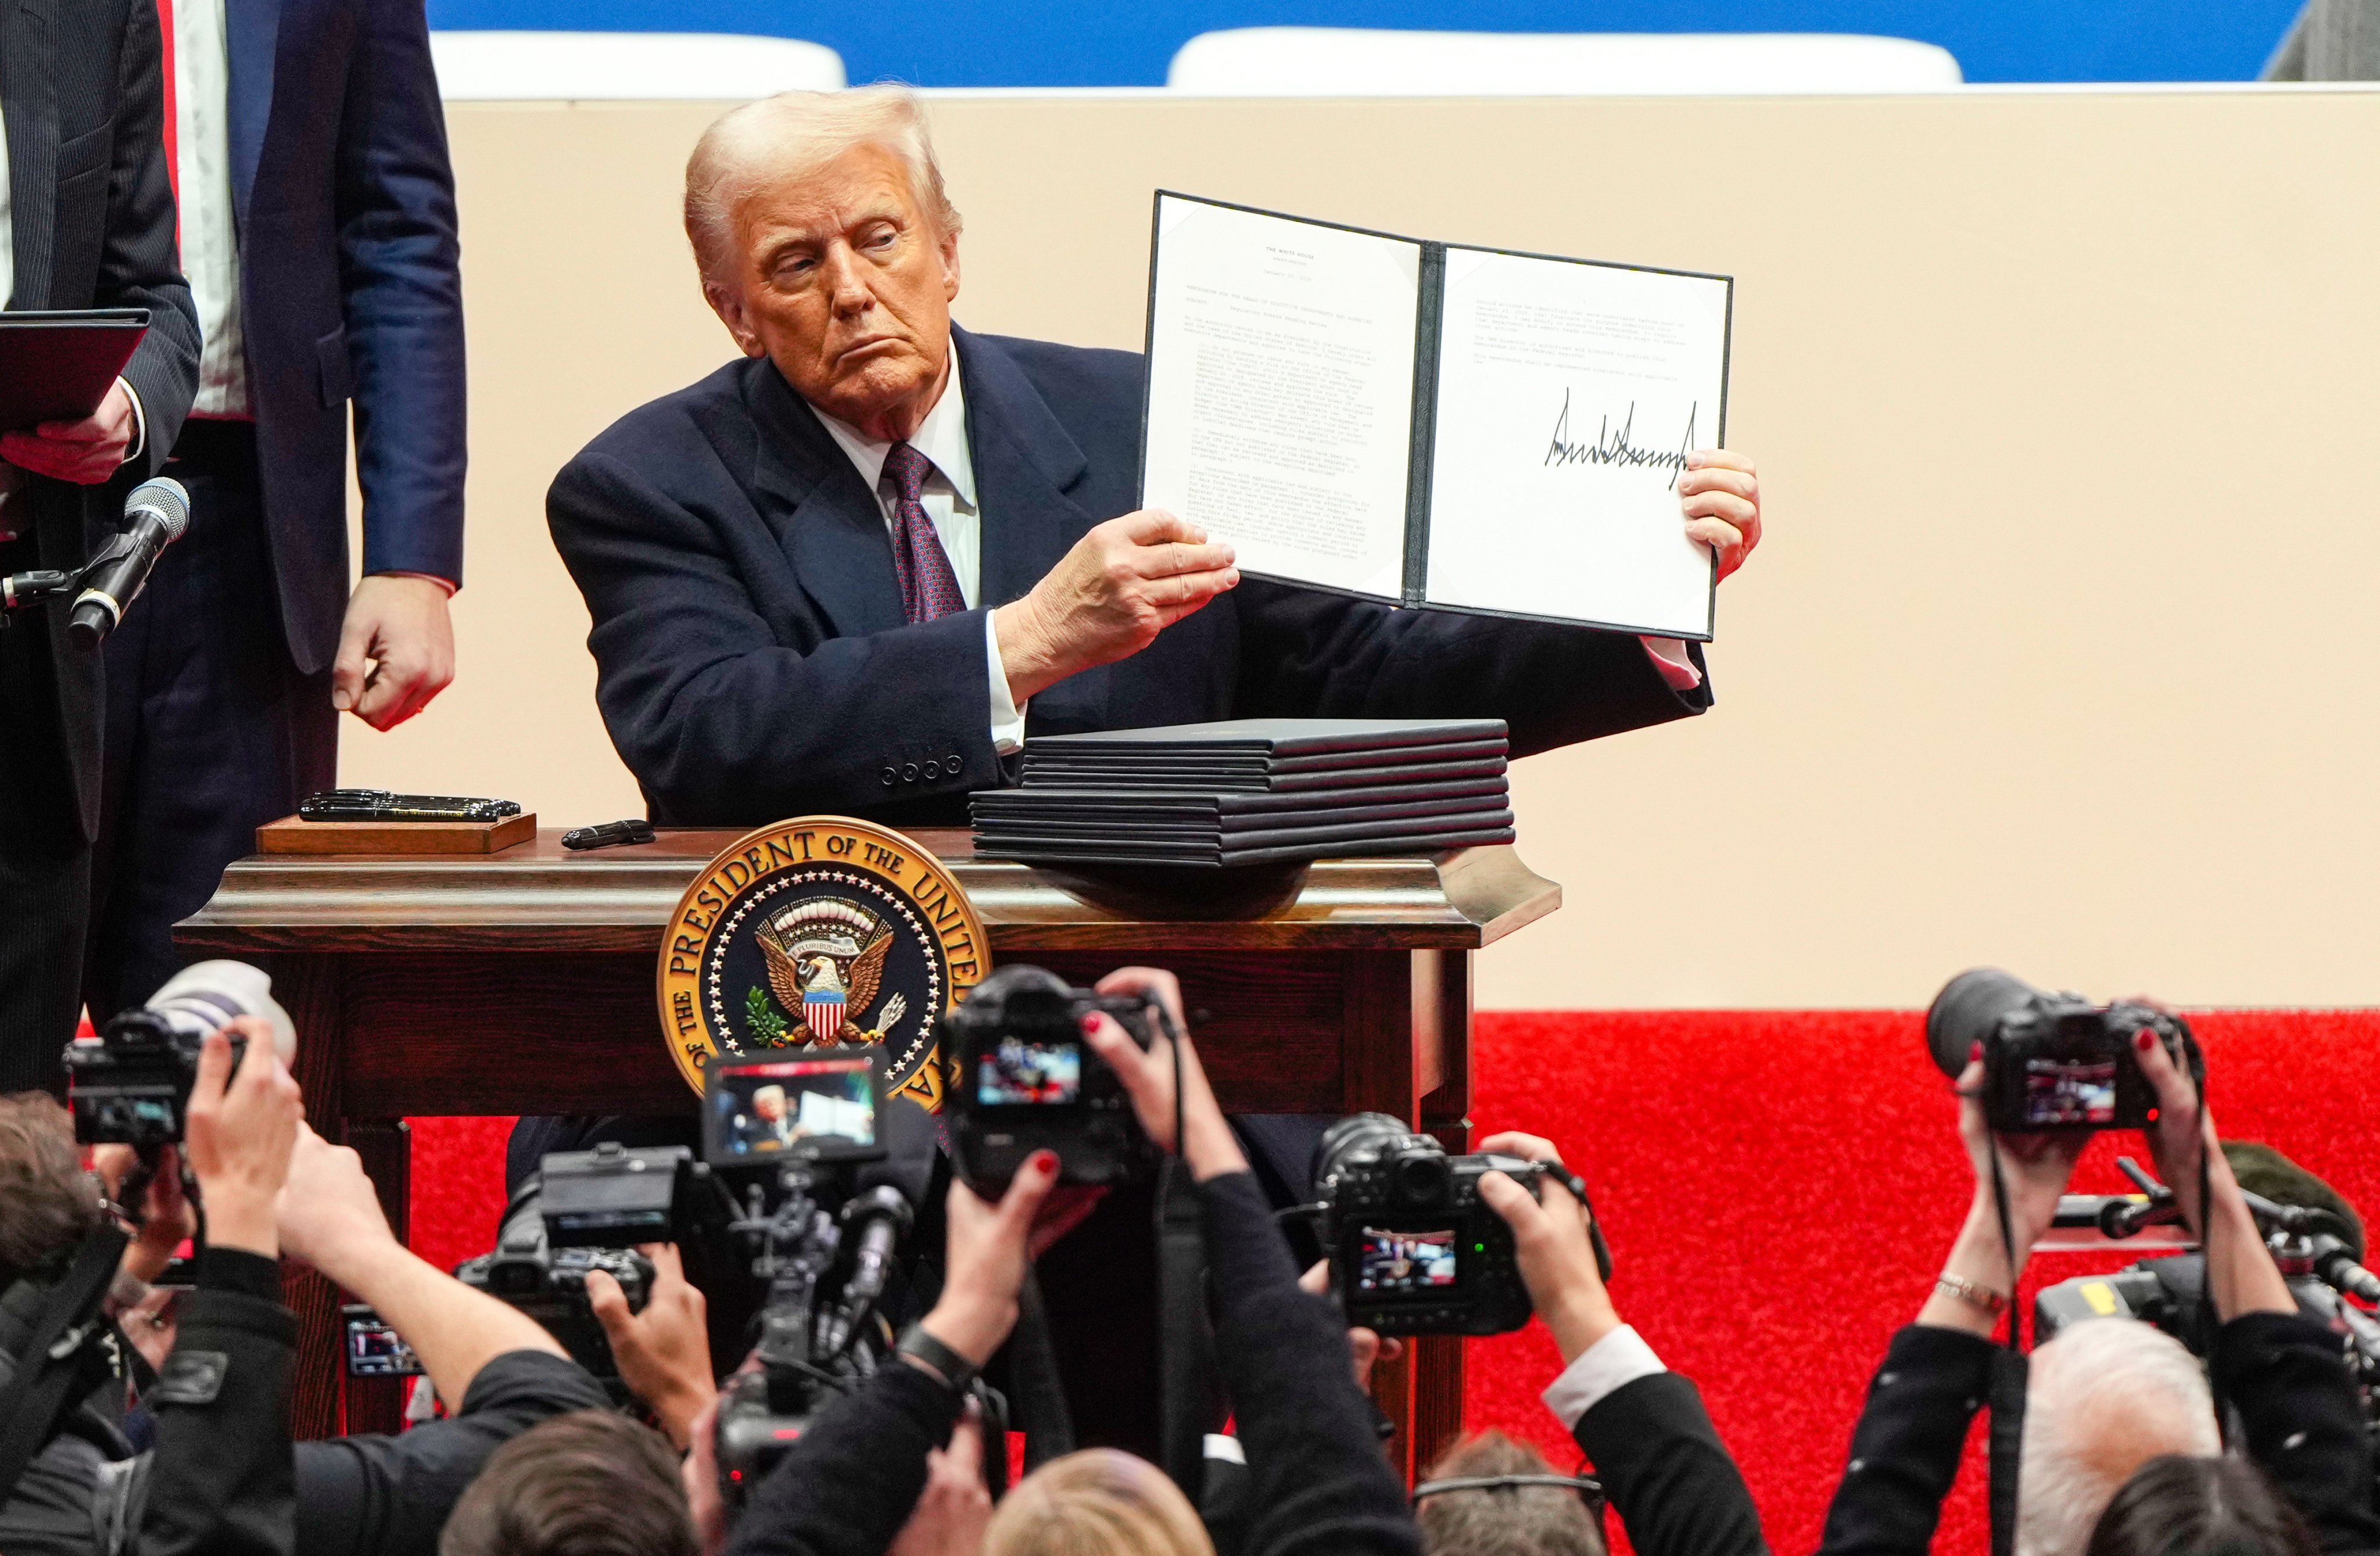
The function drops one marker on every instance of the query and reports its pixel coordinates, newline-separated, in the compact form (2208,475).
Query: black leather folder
(1259,782)
(1273,738)
(1202,857)
(59,366)
(1187,802)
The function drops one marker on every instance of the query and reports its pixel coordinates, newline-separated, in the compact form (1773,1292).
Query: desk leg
(377,1404)
(1397,1037)
(309,988)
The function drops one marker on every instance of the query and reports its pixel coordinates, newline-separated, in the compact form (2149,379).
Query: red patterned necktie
(929,588)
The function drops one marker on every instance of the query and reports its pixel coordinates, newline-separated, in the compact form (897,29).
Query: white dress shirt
(1603,1368)
(950,501)
(209,226)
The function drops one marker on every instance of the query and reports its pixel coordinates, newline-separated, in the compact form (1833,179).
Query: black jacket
(225,1478)
(91,223)
(1319,1483)
(1668,1476)
(2283,1373)
(753,661)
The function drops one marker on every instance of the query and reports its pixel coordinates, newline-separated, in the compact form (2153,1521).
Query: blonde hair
(793,134)
(1097,1503)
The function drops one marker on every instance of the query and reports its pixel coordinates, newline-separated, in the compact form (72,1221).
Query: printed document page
(1569,395)
(1281,391)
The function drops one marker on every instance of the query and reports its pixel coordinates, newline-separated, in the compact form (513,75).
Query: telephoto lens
(130,1084)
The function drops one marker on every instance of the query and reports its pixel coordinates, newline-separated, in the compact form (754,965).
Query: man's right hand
(1124,582)
(663,1353)
(329,1213)
(1550,1241)
(241,1129)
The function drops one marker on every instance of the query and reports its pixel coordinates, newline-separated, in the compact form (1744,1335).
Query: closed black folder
(1133,838)
(1260,781)
(1219,858)
(59,366)
(997,804)
(1273,738)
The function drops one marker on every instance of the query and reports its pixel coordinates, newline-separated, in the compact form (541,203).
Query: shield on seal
(822,1008)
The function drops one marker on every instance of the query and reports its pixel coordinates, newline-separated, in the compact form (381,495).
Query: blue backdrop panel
(1053,42)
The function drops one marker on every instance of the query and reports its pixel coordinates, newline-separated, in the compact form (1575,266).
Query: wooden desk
(522,982)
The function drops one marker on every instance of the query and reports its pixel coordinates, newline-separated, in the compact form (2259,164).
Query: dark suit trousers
(210,732)
(44,862)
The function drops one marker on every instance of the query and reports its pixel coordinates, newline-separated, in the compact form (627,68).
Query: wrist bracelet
(955,1368)
(1973,1295)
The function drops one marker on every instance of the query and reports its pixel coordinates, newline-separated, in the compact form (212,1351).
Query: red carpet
(1778,1189)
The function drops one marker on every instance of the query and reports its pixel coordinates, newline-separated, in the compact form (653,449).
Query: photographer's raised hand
(1209,1146)
(165,1217)
(2033,1169)
(1550,1239)
(241,1130)
(955,1507)
(665,1352)
(989,1249)
(2241,1274)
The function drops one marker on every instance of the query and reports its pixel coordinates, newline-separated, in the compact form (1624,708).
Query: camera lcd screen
(1401,1263)
(374,1350)
(1018,1073)
(2069,1091)
(821,1106)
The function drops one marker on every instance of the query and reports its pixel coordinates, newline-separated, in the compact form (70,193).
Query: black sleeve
(139,266)
(721,721)
(1309,654)
(1670,1480)
(1905,1449)
(220,1481)
(383,1496)
(1319,1481)
(846,1488)
(2285,1377)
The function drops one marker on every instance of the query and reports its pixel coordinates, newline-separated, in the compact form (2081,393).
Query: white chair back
(670,66)
(1361,62)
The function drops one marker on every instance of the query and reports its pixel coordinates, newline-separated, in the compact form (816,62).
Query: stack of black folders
(1252,791)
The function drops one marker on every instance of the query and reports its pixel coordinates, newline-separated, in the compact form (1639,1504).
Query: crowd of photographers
(159,1420)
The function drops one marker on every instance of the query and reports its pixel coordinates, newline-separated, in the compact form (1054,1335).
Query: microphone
(884,1219)
(2341,1273)
(155,515)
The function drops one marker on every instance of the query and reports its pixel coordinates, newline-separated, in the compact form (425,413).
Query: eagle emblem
(825,961)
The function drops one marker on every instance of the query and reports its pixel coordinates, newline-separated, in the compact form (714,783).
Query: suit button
(933,770)
(889,776)
(952,765)
(910,773)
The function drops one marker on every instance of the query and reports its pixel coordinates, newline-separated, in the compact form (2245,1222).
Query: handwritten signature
(1612,448)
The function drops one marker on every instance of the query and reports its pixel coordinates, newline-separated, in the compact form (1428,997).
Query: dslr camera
(130,1084)
(1029,1080)
(2053,1062)
(587,1210)
(1412,1247)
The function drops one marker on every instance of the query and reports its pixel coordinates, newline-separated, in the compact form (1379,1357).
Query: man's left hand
(400,623)
(1720,494)
(85,452)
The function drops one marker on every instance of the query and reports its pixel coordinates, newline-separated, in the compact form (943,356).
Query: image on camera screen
(1018,1073)
(763,1109)
(1389,1262)
(375,1351)
(2069,1091)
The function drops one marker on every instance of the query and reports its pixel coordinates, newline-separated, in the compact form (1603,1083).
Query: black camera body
(1412,1247)
(130,1084)
(582,1212)
(1029,1080)
(2053,1062)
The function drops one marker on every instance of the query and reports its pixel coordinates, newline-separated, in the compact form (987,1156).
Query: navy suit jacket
(349,288)
(91,226)
(753,662)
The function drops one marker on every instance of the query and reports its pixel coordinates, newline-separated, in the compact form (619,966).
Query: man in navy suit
(845,572)
(318,230)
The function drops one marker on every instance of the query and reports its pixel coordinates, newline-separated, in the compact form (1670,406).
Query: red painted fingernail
(1975,1051)
(2142,1039)
(1045,1160)
(1090,1024)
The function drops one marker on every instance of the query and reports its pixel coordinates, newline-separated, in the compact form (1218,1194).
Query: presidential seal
(819,932)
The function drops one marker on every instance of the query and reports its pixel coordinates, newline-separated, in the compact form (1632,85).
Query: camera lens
(1969,1007)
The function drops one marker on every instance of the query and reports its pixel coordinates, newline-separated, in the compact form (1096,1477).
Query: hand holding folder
(59,368)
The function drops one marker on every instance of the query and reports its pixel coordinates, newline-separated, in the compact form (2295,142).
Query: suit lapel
(251,37)
(28,33)
(1024,465)
(832,529)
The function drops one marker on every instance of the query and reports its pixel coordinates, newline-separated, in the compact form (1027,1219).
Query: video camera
(2053,1062)
(130,1084)
(1029,1080)
(1412,1247)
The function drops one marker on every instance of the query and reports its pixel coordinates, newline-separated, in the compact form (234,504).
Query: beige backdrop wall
(2059,651)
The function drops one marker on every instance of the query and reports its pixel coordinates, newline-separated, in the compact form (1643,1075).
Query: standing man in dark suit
(832,576)
(86,221)
(318,231)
